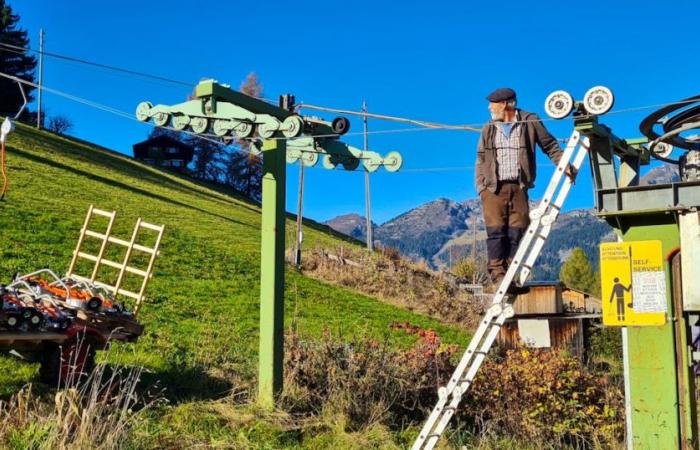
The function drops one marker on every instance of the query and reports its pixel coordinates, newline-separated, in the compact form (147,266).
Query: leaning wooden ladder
(542,219)
(123,267)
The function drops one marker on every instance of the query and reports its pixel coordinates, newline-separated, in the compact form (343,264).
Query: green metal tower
(658,359)
(281,137)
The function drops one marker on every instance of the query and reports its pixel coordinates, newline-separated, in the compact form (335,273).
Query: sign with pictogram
(633,282)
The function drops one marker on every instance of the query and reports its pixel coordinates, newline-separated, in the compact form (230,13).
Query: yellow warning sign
(633,282)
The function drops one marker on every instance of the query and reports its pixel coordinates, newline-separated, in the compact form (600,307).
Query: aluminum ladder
(541,220)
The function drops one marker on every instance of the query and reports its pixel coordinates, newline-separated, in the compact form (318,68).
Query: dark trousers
(506,215)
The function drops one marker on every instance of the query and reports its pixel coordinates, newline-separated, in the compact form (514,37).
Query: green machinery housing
(659,360)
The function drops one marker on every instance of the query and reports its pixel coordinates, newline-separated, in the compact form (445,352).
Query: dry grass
(395,280)
(98,413)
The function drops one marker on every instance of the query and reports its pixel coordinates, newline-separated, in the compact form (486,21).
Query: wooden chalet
(164,151)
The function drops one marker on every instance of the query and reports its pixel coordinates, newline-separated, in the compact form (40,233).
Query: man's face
(498,111)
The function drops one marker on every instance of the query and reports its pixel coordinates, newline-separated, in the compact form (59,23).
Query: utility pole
(368,201)
(39,118)
(476,266)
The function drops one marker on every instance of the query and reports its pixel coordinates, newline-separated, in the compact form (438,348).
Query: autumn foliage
(524,393)
(530,392)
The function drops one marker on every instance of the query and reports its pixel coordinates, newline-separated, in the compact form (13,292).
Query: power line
(477,127)
(109,109)
(420,123)
(21,50)
(130,116)
(95,64)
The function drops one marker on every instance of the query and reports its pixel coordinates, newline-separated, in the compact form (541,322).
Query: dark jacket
(533,132)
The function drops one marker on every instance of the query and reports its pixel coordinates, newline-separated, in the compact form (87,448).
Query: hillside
(443,231)
(201,311)
(353,225)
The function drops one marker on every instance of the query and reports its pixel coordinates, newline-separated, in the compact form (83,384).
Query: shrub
(546,394)
(364,380)
(392,253)
(534,396)
(465,269)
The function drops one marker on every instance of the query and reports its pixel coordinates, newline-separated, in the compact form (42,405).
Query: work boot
(513,289)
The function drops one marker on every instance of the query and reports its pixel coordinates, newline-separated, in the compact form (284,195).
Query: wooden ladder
(99,260)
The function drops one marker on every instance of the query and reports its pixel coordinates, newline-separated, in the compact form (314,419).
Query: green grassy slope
(201,314)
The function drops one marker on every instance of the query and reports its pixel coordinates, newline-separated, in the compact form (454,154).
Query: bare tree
(60,124)
(243,170)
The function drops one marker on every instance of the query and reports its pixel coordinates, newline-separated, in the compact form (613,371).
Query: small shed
(164,151)
(553,297)
(552,315)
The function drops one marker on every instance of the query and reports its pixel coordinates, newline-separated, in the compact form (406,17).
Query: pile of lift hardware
(61,321)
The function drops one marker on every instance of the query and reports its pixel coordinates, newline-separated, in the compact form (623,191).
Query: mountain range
(443,231)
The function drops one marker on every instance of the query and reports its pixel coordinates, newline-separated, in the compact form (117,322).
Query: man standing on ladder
(505,170)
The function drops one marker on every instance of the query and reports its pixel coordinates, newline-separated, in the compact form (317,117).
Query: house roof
(555,284)
(162,140)
(544,283)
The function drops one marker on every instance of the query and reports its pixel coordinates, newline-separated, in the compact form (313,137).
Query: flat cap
(501,95)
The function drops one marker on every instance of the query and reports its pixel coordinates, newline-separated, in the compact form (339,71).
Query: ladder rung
(144,249)
(110,263)
(102,212)
(95,234)
(87,256)
(122,242)
(150,226)
(136,271)
(113,264)
(111,288)
(133,295)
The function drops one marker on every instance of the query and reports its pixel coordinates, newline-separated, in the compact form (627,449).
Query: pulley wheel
(293,126)
(161,119)
(598,100)
(142,111)
(180,121)
(221,127)
(266,130)
(340,125)
(393,162)
(558,104)
(199,124)
(244,130)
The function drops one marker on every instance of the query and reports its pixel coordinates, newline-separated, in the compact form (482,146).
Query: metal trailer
(66,355)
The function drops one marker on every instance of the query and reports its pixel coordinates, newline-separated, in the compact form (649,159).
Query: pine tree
(577,273)
(13,62)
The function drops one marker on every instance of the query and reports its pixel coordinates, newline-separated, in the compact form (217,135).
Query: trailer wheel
(67,364)
(94,304)
(13,320)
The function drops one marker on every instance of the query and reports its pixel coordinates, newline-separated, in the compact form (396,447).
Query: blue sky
(427,60)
